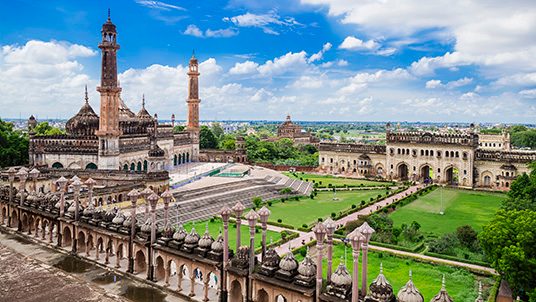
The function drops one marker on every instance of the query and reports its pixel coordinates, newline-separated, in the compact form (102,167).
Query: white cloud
(246,67)
(432,84)
(528,93)
(159,5)
(193,30)
(288,62)
(319,55)
(264,21)
(371,46)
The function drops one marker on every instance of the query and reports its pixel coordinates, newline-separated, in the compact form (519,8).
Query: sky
(336,60)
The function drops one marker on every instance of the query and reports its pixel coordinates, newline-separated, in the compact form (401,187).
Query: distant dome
(180,234)
(192,238)
(442,296)
(271,259)
(85,122)
(119,218)
(156,151)
(143,114)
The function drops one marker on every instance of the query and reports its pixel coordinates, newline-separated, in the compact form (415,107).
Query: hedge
(413,249)
(280,224)
(448,257)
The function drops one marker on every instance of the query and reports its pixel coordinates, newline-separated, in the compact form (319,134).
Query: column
(356,238)
(205,289)
(238,210)
(225,214)
(264,213)
(153,199)
(330,228)
(133,195)
(366,231)
(320,232)
(167,271)
(252,218)
(192,284)
(179,277)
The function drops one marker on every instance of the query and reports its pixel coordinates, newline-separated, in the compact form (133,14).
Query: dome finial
(410,275)
(443,282)
(109,19)
(143,100)
(381,267)
(86,97)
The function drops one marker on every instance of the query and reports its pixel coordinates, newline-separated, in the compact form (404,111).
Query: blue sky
(365,60)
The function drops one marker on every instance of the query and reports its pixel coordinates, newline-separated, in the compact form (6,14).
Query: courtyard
(325,181)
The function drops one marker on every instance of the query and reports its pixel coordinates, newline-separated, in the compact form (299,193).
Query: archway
(262,296)
(14,219)
(403,171)
(139,166)
(187,157)
(160,272)
(141,265)
(487,181)
(236,291)
(91,166)
(426,174)
(57,165)
(451,176)
(24,222)
(67,238)
(175,159)
(81,242)
(125,167)
(145,165)
(132,167)
(280,298)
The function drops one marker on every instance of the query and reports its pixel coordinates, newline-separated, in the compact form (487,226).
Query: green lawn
(336,181)
(461,284)
(307,211)
(461,207)
(214,229)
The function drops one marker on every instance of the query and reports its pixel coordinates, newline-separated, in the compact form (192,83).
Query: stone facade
(119,139)
(288,129)
(449,158)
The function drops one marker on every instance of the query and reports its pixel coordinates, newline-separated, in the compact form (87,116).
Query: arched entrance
(487,181)
(426,174)
(262,296)
(91,166)
(451,176)
(403,171)
(236,291)
(67,238)
(57,165)
(141,264)
(81,242)
(280,298)
(160,272)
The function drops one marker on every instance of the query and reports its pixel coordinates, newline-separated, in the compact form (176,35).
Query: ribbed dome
(143,114)
(119,218)
(217,246)
(192,238)
(380,288)
(128,221)
(180,234)
(90,210)
(124,112)
(271,259)
(288,263)
(341,276)
(146,227)
(206,241)
(307,267)
(156,151)
(85,122)
(167,231)
(442,296)
(409,293)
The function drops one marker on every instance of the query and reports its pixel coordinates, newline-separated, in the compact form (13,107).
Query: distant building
(288,129)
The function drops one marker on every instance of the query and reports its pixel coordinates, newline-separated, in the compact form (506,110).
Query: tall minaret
(109,90)
(193,105)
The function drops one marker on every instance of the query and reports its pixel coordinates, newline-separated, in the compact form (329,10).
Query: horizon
(315,58)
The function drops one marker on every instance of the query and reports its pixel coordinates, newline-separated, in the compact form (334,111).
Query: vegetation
(178,128)
(207,139)
(307,211)
(461,284)
(13,146)
(44,128)
(509,239)
(280,152)
(523,137)
(325,181)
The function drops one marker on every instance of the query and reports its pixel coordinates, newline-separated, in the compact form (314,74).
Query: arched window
(125,167)
(145,165)
(132,167)
(139,166)
(57,165)
(91,166)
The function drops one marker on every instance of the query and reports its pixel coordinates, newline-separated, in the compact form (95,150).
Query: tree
(228,142)
(207,140)
(217,130)
(522,194)
(445,244)
(178,128)
(13,146)
(257,201)
(44,128)
(509,241)
(466,235)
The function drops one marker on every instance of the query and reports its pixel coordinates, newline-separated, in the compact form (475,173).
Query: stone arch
(187,157)
(426,173)
(91,166)
(67,238)
(89,242)
(36,224)
(175,159)
(81,241)
(235,292)
(213,280)
(451,175)
(402,170)
(487,179)
(4,215)
(74,166)
(14,219)
(159,271)
(183,273)
(145,165)
(280,298)
(379,170)
(100,244)
(57,165)
(262,296)
(138,167)
(132,166)
(24,222)
(140,262)
(125,167)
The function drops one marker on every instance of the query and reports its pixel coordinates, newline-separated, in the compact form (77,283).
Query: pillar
(225,214)
(238,210)
(192,284)
(252,218)
(205,289)
(320,231)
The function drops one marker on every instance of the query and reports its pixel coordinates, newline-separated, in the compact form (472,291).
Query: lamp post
(22,175)
(145,194)
(225,214)
(330,230)
(264,213)
(356,238)
(11,177)
(34,174)
(166,196)
(90,183)
(238,209)
(133,195)
(153,199)
(366,231)
(252,218)
(320,232)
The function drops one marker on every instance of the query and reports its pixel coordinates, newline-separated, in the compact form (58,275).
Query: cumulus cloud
(371,46)
(319,55)
(432,84)
(246,67)
(159,5)
(193,30)
(266,22)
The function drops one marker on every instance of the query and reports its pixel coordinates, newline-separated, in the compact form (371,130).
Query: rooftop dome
(143,114)
(217,246)
(307,267)
(128,221)
(380,289)
(146,227)
(206,241)
(192,238)
(271,259)
(119,218)
(442,296)
(124,112)
(156,151)
(410,293)
(180,234)
(85,122)
(288,263)
(341,276)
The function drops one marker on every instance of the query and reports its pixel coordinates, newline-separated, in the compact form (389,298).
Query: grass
(336,181)
(461,207)
(307,211)
(215,227)
(461,284)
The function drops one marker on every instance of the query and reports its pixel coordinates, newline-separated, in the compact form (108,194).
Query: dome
(442,296)
(146,227)
(409,293)
(85,122)
(217,246)
(341,276)
(192,238)
(288,263)
(206,241)
(124,112)
(271,259)
(128,221)
(143,114)
(307,267)
(167,231)
(156,151)
(110,214)
(380,289)
(72,208)
(180,234)
(119,218)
